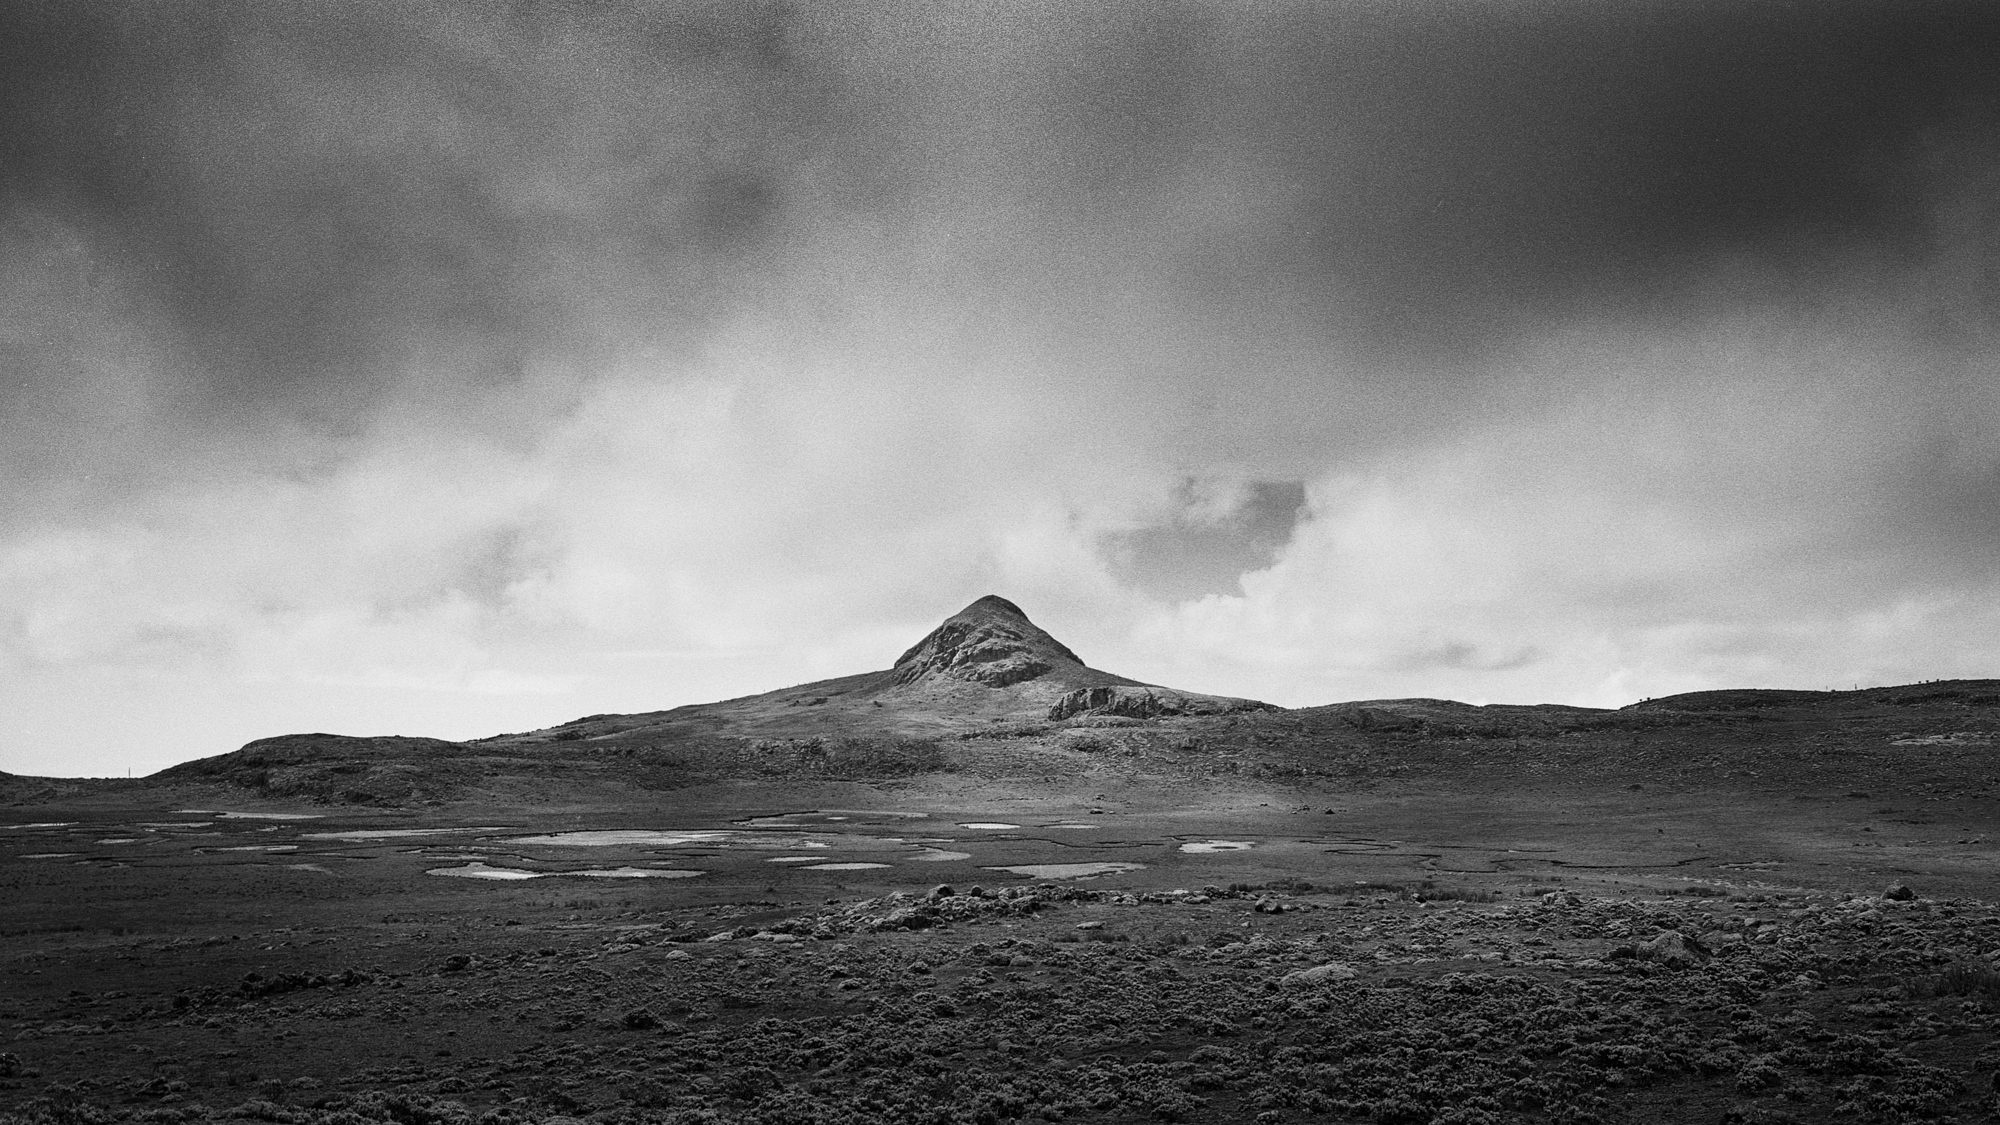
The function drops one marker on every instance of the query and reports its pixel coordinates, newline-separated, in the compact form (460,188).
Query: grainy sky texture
(453,368)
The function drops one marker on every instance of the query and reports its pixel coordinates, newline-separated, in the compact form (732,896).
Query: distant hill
(983,665)
(984,668)
(1980,693)
(989,694)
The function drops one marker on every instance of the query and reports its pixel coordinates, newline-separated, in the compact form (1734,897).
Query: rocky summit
(990,642)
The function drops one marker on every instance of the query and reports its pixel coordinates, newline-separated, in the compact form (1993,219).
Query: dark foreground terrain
(994,885)
(1539,946)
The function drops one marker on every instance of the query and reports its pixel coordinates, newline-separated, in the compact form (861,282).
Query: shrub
(1452,894)
(1967,980)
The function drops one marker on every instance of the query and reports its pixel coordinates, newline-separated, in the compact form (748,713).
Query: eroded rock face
(1146,703)
(990,642)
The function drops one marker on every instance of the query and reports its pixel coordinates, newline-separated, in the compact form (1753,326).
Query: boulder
(1672,949)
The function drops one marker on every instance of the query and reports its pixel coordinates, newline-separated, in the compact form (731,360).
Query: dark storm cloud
(318,198)
(1452,173)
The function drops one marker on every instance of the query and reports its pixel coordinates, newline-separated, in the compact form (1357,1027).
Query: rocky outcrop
(1147,703)
(989,642)
(1318,974)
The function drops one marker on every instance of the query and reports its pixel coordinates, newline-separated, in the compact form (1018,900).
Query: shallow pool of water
(624,837)
(989,824)
(1208,847)
(1069,870)
(939,855)
(828,816)
(845,866)
(251,815)
(482,871)
(397,833)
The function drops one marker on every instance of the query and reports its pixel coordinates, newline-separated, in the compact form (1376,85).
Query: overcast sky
(458,368)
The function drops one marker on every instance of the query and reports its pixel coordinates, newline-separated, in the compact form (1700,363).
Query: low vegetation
(1063,1003)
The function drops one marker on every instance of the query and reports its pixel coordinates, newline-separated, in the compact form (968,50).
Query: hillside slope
(986,668)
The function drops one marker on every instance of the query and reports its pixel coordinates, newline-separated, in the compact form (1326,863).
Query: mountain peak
(993,603)
(991,642)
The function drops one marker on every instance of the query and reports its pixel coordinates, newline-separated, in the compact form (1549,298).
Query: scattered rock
(1319,974)
(1899,892)
(1672,949)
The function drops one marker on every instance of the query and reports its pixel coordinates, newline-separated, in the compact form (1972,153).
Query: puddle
(845,866)
(1069,826)
(1069,870)
(828,816)
(52,855)
(251,815)
(481,871)
(793,859)
(309,867)
(939,855)
(43,824)
(396,833)
(616,837)
(122,840)
(252,848)
(1209,847)
(988,824)
(175,823)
